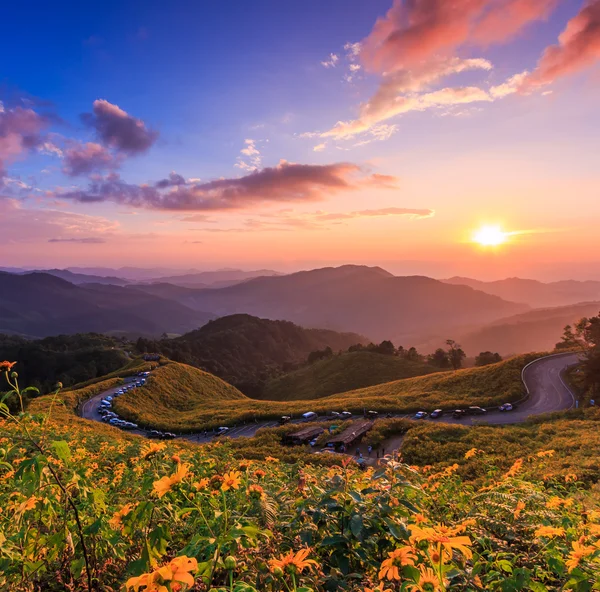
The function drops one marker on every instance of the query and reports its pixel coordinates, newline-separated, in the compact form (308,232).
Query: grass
(185,399)
(341,373)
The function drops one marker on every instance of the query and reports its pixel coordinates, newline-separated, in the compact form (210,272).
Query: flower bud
(175,458)
(230,563)
(14,375)
(277,572)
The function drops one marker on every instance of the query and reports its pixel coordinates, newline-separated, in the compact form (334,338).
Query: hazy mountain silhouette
(536,294)
(365,300)
(40,304)
(82,278)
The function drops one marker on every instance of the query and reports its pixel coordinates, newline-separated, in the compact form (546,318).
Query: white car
(506,407)
(420,415)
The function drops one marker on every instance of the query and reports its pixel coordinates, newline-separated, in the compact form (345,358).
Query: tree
(487,357)
(455,354)
(439,358)
(412,354)
(385,347)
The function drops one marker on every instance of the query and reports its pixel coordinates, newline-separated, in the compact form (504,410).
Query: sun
(490,236)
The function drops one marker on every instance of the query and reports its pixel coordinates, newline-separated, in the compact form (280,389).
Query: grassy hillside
(177,391)
(175,403)
(341,373)
(246,351)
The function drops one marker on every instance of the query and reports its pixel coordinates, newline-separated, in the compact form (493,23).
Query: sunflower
(578,553)
(549,532)
(398,558)
(428,581)
(444,538)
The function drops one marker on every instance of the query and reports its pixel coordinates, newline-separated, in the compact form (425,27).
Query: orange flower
(231,480)
(398,558)
(256,489)
(177,572)
(152,449)
(202,484)
(515,468)
(578,553)
(259,473)
(164,484)
(470,453)
(520,507)
(544,453)
(116,521)
(379,588)
(549,532)
(570,477)
(293,562)
(271,459)
(6,366)
(180,568)
(428,581)
(444,537)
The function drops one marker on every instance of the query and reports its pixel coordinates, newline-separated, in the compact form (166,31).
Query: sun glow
(490,236)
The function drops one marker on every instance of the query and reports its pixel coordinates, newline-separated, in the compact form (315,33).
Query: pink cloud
(119,130)
(286,182)
(415,31)
(19,132)
(80,159)
(578,47)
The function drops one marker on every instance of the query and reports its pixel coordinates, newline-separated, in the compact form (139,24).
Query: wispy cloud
(90,240)
(331,61)
(250,159)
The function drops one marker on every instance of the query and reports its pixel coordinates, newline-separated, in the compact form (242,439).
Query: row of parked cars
(105,407)
(460,413)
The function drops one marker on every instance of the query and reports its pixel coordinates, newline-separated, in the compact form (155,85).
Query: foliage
(68,359)
(487,357)
(83,510)
(340,373)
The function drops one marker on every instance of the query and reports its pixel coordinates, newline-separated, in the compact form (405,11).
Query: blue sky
(204,79)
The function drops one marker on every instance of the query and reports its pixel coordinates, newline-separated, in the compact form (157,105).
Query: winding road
(543,380)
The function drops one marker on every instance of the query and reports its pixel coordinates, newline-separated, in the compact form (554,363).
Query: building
(351,435)
(304,436)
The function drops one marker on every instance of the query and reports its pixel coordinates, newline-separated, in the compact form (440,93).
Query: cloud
(331,62)
(174,180)
(119,130)
(286,182)
(21,224)
(319,147)
(408,212)
(414,32)
(251,159)
(82,159)
(89,240)
(578,47)
(19,132)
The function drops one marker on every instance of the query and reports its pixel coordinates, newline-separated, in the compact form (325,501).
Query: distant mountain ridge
(41,304)
(365,300)
(535,293)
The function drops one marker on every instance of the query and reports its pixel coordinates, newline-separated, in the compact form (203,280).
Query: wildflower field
(84,507)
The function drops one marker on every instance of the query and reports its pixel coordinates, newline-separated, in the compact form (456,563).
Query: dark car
(459,413)
(346,414)
(284,419)
(372,414)
(155,434)
(476,410)
(437,413)
(168,436)
(506,407)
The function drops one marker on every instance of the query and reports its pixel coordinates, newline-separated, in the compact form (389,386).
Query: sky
(303,134)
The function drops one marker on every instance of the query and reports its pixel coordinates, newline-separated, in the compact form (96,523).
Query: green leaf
(356,526)
(62,450)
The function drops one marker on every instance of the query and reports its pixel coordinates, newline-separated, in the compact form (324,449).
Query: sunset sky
(300,134)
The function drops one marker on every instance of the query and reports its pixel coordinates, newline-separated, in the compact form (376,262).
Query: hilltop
(340,373)
(246,350)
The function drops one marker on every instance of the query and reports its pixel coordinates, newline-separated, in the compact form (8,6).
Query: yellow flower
(578,553)
(556,502)
(231,480)
(544,453)
(176,572)
(292,562)
(444,537)
(164,484)
(117,520)
(257,490)
(398,558)
(180,473)
(470,453)
(570,477)
(549,531)
(428,581)
(180,568)
(153,448)
(379,588)
(27,505)
(271,459)
(520,507)
(516,467)
(202,484)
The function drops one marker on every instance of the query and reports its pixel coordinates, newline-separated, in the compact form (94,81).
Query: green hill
(246,351)
(341,373)
(176,392)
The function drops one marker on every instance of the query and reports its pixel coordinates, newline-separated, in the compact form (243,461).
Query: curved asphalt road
(543,380)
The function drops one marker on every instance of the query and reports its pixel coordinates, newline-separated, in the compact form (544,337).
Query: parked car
(284,419)
(222,430)
(437,413)
(372,414)
(459,413)
(476,410)
(346,414)
(506,407)
(168,436)
(313,442)
(420,415)
(155,434)
(309,416)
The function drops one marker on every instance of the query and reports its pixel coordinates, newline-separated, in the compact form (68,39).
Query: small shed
(351,434)
(305,435)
